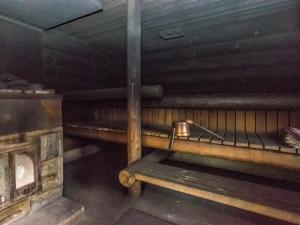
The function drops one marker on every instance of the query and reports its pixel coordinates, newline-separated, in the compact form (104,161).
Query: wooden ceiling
(228,45)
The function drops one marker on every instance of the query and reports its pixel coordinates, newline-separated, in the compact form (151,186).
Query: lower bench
(254,197)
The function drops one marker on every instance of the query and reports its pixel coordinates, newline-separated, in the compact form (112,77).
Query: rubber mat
(136,217)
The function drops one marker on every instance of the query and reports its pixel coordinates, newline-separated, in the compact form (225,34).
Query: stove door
(24,170)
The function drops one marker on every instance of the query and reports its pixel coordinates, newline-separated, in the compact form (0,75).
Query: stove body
(31,163)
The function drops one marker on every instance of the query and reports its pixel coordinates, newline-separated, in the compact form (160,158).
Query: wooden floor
(134,217)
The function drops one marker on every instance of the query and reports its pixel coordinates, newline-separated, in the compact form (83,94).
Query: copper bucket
(183,129)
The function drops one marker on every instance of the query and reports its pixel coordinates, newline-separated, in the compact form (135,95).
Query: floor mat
(136,217)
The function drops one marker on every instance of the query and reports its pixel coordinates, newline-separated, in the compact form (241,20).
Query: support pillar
(134,86)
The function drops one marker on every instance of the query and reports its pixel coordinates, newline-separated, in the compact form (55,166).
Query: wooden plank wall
(247,47)
(50,58)
(20,50)
(249,121)
(67,59)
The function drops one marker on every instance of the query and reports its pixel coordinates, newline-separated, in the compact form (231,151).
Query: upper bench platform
(247,147)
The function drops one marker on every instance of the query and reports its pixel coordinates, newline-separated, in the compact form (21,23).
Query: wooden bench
(245,147)
(252,129)
(252,196)
(253,126)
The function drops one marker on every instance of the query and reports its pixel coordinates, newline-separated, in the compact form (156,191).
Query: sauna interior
(150,112)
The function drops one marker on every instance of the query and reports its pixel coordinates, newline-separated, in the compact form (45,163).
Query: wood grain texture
(228,191)
(204,117)
(240,121)
(283,121)
(259,34)
(254,141)
(155,116)
(231,120)
(175,115)
(168,117)
(225,151)
(250,121)
(262,36)
(162,118)
(190,114)
(229,138)
(261,121)
(206,137)
(241,167)
(197,116)
(272,122)
(241,140)
(221,120)
(216,140)
(144,116)
(134,136)
(213,119)
(150,116)
(181,114)
(263,199)
(295,119)
(269,143)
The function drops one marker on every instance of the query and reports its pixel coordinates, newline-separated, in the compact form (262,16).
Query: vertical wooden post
(134,86)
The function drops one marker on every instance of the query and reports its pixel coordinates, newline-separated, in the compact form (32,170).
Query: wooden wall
(69,64)
(51,58)
(228,46)
(246,121)
(233,47)
(20,50)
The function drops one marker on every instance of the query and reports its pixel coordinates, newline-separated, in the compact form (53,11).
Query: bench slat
(193,138)
(236,153)
(241,140)
(262,199)
(254,141)
(206,137)
(229,139)
(216,140)
(195,134)
(269,143)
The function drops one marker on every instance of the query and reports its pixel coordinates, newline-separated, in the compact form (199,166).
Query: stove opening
(24,170)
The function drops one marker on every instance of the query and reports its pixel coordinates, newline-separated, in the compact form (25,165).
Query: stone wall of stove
(50,177)
(51,169)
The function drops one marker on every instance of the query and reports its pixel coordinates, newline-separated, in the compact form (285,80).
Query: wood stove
(31,162)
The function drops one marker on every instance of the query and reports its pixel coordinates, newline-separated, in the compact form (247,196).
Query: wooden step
(254,197)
